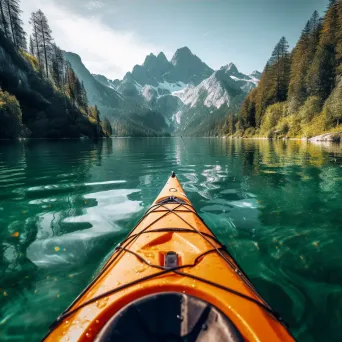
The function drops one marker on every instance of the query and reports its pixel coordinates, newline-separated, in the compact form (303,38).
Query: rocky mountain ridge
(174,88)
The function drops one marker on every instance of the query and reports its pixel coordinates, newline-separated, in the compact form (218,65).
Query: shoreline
(333,137)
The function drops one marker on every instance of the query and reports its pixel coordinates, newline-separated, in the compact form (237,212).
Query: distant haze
(113,36)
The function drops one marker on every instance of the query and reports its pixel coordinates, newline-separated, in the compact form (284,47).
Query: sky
(112,36)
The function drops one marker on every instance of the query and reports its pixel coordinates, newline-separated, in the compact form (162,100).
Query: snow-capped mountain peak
(181,54)
(231,67)
(184,87)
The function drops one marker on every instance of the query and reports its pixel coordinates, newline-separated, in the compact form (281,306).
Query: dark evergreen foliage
(300,84)
(11,23)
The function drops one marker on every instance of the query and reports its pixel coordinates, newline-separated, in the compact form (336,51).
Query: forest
(40,94)
(300,91)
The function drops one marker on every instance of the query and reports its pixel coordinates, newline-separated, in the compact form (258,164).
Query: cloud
(102,49)
(94,5)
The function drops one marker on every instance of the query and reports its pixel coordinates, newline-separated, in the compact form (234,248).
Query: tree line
(300,92)
(11,23)
(48,58)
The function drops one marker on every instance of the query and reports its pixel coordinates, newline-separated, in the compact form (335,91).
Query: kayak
(170,280)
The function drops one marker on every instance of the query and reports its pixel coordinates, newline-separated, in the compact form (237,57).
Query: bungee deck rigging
(176,222)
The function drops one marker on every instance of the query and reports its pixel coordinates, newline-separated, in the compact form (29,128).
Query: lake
(65,204)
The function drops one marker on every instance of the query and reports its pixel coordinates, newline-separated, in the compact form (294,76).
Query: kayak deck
(170,250)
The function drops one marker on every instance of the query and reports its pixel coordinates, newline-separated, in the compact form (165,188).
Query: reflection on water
(65,205)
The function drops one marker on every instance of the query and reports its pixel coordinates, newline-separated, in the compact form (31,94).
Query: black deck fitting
(173,175)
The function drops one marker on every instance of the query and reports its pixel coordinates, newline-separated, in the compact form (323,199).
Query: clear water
(65,204)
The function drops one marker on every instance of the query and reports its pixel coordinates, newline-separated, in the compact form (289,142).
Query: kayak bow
(170,280)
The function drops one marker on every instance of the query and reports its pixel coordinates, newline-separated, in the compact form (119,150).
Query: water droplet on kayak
(118,283)
(102,303)
(88,335)
(180,317)
(140,269)
(66,338)
(204,326)
(97,321)
(66,322)
(193,285)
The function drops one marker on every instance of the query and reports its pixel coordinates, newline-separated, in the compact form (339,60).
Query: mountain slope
(159,74)
(41,111)
(128,115)
(219,95)
(98,94)
(184,90)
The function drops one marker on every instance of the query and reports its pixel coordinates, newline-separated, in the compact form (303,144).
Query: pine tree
(339,39)
(78,93)
(322,74)
(57,64)
(43,39)
(71,83)
(264,94)
(248,110)
(3,19)
(84,97)
(315,24)
(31,46)
(97,116)
(12,24)
(36,38)
(280,70)
(299,68)
(107,127)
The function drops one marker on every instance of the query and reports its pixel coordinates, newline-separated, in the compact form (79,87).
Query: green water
(65,204)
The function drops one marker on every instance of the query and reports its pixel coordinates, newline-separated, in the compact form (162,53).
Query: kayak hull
(171,250)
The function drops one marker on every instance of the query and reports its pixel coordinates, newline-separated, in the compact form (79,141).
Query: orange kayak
(170,280)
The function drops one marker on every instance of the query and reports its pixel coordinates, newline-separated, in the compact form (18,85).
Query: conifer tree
(323,69)
(107,127)
(31,46)
(248,110)
(231,124)
(43,39)
(11,23)
(97,115)
(299,68)
(57,64)
(3,19)
(315,24)
(71,80)
(280,70)
(84,97)
(264,94)
(339,39)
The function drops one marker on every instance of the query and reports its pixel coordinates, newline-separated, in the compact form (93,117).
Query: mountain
(107,99)
(183,90)
(128,115)
(184,68)
(105,81)
(218,89)
(213,98)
